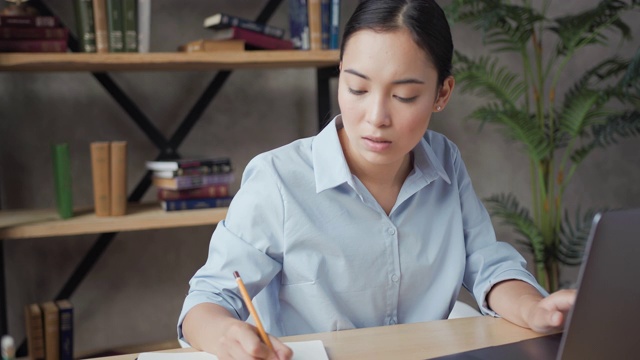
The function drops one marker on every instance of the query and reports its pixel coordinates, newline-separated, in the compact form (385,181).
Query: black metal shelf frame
(168,148)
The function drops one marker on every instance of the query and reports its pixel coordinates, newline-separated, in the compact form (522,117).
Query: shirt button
(394,278)
(391,231)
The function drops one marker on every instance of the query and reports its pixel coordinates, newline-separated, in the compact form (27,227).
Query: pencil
(252,310)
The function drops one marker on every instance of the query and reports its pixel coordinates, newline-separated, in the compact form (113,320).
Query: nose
(378,112)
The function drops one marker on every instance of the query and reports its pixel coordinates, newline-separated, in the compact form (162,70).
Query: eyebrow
(395,82)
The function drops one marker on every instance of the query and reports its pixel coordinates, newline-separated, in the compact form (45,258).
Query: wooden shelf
(167,61)
(46,222)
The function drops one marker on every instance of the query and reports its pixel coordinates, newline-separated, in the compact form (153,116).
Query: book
(130,25)
(118,173)
(204,45)
(100,172)
(62,179)
(222,20)
(144,25)
(65,311)
(115,25)
(192,181)
(28,21)
(299,24)
(201,170)
(51,325)
(101,25)
(31,45)
(325,22)
(252,38)
(16,33)
(314,13)
(35,331)
(84,25)
(223,164)
(334,27)
(210,191)
(192,204)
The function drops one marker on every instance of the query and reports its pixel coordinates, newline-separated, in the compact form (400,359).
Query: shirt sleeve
(247,241)
(488,261)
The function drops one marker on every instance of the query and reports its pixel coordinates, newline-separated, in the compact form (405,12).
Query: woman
(369,223)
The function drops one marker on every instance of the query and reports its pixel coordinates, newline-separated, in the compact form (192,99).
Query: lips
(376,144)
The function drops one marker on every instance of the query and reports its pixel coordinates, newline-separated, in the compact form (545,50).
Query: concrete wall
(135,291)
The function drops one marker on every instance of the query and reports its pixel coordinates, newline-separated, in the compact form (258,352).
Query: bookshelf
(27,224)
(229,60)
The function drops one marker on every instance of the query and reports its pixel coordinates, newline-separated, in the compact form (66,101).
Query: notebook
(604,320)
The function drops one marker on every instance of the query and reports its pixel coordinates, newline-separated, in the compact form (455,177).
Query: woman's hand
(550,314)
(523,305)
(241,341)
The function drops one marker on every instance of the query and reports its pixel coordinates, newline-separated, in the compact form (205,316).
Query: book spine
(186,182)
(33,33)
(47,45)
(28,21)
(325,12)
(51,323)
(85,25)
(213,191)
(226,20)
(334,28)
(100,173)
(62,180)
(66,329)
(115,25)
(35,331)
(101,25)
(174,205)
(118,160)
(260,40)
(298,24)
(130,28)
(144,25)
(314,10)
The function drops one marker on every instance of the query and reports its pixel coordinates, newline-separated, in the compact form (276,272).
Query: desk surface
(411,341)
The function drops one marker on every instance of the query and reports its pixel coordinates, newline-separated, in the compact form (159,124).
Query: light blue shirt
(320,254)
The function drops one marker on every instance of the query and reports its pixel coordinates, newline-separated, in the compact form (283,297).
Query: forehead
(393,50)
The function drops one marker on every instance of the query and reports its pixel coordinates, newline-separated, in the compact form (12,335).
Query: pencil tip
(236,274)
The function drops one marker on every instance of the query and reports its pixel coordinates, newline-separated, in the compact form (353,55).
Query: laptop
(604,321)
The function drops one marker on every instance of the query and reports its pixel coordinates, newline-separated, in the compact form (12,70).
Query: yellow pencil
(252,310)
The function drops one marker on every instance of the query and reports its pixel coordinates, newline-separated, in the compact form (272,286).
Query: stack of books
(113,25)
(314,24)
(192,183)
(49,328)
(32,33)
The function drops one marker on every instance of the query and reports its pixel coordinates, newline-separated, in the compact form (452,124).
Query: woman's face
(387,91)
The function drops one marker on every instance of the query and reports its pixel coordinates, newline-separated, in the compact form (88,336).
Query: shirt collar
(331,169)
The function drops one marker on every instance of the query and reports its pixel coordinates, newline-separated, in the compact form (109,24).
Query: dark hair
(424,19)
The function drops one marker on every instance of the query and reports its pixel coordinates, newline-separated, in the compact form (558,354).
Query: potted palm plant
(557,131)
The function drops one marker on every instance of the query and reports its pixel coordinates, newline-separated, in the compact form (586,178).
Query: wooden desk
(410,341)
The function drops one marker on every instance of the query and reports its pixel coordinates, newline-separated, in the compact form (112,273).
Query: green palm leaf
(507,207)
(486,78)
(622,125)
(582,108)
(573,237)
(519,126)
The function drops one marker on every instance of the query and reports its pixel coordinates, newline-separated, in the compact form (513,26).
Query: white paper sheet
(302,350)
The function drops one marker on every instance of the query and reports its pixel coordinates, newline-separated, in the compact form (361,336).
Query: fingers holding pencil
(280,350)
(242,341)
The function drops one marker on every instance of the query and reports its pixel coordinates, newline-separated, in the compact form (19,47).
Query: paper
(302,350)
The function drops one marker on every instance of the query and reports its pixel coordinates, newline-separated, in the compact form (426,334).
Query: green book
(115,24)
(84,25)
(130,28)
(62,179)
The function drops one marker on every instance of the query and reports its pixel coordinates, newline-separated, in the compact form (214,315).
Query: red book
(252,38)
(28,21)
(33,33)
(211,191)
(46,45)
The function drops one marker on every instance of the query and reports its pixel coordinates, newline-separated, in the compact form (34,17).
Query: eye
(406,100)
(356,92)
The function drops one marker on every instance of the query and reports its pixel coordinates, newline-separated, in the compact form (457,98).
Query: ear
(444,93)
